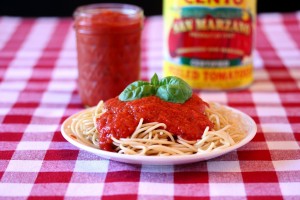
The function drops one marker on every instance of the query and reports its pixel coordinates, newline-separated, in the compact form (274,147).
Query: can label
(209,43)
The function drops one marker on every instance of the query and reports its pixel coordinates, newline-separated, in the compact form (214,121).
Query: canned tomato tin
(209,43)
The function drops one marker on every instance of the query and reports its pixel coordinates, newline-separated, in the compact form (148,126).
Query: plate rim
(160,160)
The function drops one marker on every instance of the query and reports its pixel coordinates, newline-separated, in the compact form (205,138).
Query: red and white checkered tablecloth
(38,92)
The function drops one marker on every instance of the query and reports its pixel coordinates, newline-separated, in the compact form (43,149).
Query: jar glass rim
(92,9)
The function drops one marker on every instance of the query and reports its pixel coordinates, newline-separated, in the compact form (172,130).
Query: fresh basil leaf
(137,90)
(174,89)
(155,80)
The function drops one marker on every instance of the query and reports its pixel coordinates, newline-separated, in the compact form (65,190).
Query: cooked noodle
(153,139)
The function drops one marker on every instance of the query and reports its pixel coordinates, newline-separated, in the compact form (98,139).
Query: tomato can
(209,43)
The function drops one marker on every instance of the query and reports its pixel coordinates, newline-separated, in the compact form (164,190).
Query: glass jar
(108,49)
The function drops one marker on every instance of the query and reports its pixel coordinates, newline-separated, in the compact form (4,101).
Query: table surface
(38,92)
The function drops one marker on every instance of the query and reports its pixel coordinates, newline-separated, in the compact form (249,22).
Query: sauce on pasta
(120,119)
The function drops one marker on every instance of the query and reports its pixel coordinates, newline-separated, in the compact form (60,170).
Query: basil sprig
(171,89)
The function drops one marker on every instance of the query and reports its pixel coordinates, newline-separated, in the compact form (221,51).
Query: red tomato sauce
(121,118)
(108,48)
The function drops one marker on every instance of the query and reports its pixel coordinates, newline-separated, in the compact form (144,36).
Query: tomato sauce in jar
(108,49)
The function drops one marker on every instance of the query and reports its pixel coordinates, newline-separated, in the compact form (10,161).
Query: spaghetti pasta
(151,139)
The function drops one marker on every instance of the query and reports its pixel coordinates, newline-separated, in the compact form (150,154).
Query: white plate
(157,160)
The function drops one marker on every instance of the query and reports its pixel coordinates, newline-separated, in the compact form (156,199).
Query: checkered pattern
(38,91)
